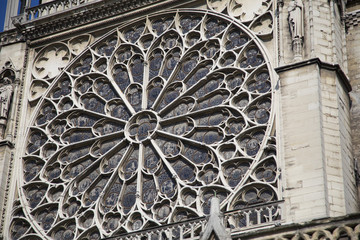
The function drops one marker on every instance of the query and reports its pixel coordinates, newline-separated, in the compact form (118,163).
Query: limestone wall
(353,49)
(325,31)
(337,145)
(318,168)
(303,174)
(315,107)
(350,191)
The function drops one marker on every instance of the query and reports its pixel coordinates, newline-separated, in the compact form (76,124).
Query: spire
(215,223)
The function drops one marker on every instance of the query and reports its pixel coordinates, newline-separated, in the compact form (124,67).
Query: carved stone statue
(5,99)
(296,19)
(296,25)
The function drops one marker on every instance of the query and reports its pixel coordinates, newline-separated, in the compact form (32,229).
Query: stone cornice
(11,36)
(77,16)
(322,65)
(352,19)
(91,15)
(6,143)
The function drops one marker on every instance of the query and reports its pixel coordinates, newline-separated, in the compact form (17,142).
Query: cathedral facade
(185,119)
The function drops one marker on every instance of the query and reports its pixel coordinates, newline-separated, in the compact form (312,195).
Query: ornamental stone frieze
(58,16)
(11,36)
(62,15)
(352,19)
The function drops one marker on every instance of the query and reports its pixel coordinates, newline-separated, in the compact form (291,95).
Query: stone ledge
(94,15)
(352,19)
(6,143)
(322,65)
(10,37)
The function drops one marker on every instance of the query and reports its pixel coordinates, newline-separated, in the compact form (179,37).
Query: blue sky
(2,13)
(3,8)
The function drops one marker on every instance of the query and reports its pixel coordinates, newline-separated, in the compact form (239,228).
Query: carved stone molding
(9,71)
(352,19)
(84,14)
(322,65)
(6,188)
(10,37)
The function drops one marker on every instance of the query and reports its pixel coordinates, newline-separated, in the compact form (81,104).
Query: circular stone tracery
(141,126)
(181,112)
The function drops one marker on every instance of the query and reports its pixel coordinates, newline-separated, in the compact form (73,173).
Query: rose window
(144,126)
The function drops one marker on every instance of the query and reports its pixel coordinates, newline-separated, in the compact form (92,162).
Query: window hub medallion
(141,126)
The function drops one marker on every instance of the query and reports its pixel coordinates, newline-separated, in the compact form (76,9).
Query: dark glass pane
(196,154)
(121,77)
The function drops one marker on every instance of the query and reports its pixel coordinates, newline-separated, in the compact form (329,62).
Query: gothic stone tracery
(145,126)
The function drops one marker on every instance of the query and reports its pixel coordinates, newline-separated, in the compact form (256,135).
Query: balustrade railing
(234,221)
(253,217)
(180,231)
(52,7)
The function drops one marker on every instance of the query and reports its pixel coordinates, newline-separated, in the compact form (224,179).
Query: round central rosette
(150,122)
(141,126)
